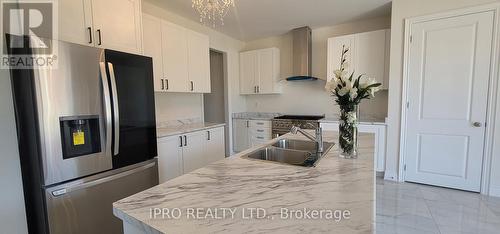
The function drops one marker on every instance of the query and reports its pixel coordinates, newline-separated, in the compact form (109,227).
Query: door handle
(180,137)
(255,89)
(208,135)
(116,112)
(99,41)
(248,123)
(107,104)
(162,84)
(192,86)
(90,35)
(258,89)
(185,140)
(477,124)
(166,81)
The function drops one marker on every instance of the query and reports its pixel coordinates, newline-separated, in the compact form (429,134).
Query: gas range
(282,124)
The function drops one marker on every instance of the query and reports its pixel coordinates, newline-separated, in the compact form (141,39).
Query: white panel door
(169,158)
(448,74)
(193,151)
(118,24)
(248,75)
(175,58)
(152,48)
(75,22)
(198,62)
(215,149)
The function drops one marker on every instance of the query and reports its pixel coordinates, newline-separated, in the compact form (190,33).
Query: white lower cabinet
(169,158)
(181,154)
(378,130)
(250,133)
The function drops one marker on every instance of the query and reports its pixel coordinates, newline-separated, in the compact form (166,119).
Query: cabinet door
(117,24)
(169,158)
(335,45)
(198,62)
(175,58)
(215,147)
(266,74)
(75,22)
(370,54)
(240,135)
(248,72)
(152,48)
(193,151)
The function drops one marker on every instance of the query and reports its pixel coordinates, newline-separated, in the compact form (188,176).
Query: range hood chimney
(302,54)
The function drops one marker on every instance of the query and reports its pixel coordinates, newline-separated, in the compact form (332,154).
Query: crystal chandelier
(212,11)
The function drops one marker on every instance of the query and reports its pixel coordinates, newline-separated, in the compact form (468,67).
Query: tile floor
(407,208)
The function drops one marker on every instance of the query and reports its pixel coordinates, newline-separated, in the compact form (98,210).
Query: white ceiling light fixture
(212,11)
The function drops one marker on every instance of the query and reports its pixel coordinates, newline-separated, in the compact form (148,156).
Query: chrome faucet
(318,138)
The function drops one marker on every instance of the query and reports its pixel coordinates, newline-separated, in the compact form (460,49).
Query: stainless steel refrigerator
(87,136)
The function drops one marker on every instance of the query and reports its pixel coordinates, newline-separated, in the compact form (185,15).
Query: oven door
(134,123)
(74,114)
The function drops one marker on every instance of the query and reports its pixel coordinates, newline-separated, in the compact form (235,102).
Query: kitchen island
(241,195)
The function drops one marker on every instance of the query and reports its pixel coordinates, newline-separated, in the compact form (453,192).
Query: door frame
(492,88)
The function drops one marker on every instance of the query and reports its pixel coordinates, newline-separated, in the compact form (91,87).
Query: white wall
(310,97)
(12,211)
(402,9)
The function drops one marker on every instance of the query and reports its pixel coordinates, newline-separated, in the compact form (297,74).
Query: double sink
(290,151)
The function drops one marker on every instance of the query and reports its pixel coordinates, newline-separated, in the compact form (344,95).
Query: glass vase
(348,131)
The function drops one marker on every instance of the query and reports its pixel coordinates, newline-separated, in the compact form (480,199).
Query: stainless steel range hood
(302,54)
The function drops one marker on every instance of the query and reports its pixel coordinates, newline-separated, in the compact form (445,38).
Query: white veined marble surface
(242,184)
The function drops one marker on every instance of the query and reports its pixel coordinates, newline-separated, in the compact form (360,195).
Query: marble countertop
(255,115)
(277,193)
(364,119)
(185,128)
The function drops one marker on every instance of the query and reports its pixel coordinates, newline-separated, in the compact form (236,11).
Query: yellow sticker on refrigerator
(78,138)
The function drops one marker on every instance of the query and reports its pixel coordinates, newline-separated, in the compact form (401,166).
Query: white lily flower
(331,85)
(340,74)
(369,81)
(353,93)
(343,91)
(373,90)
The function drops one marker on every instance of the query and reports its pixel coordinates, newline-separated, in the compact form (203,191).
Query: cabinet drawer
(261,131)
(261,137)
(260,124)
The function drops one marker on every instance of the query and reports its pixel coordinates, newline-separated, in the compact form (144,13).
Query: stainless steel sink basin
(294,152)
(301,145)
(294,157)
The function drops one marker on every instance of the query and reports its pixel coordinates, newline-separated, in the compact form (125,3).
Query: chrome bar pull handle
(107,106)
(90,35)
(116,110)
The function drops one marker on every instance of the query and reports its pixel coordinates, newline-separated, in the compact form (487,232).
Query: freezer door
(86,206)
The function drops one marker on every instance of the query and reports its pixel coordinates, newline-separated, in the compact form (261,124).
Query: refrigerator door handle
(107,106)
(116,111)
(76,187)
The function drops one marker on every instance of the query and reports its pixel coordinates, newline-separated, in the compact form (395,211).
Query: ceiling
(253,19)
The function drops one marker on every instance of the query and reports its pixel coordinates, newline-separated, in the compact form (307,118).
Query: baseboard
(495,191)
(390,176)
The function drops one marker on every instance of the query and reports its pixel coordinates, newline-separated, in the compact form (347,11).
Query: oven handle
(107,105)
(116,111)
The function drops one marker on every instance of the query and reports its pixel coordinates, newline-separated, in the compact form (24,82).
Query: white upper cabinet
(75,21)
(117,24)
(152,41)
(181,57)
(248,72)
(90,22)
(260,71)
(368,54)
(198,62)
(175,57)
